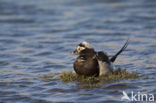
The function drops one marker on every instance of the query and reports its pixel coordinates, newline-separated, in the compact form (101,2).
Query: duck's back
(86,66)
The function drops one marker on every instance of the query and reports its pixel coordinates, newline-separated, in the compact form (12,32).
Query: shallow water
(37,38)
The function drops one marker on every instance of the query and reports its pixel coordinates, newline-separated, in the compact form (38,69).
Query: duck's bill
(75,52)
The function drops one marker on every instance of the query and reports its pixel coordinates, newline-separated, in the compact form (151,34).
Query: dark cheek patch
(78,49)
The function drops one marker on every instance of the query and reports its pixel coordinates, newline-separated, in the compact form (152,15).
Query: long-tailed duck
(92,63)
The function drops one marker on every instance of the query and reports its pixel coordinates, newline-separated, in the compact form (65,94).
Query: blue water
(38,36)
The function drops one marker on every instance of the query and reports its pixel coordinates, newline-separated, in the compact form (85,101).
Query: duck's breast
(87,67)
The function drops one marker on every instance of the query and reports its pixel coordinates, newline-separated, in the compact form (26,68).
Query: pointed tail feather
(121,50)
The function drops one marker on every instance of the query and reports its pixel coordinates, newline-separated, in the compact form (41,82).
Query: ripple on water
(44,53)
(36,39)
(16,21)
(120,86)
(4,63)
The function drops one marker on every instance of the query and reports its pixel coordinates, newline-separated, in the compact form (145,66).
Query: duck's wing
(101,56)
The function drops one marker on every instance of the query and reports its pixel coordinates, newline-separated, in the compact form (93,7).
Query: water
(37,38)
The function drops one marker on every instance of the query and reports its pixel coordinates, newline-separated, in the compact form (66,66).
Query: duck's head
(83,46)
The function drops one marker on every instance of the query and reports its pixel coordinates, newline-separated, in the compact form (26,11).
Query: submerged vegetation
(69,76)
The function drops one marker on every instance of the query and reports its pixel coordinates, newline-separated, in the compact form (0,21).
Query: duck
(94,63)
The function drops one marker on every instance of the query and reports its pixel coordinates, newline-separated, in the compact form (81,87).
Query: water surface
(37,38)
